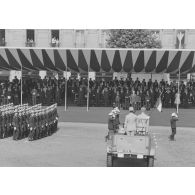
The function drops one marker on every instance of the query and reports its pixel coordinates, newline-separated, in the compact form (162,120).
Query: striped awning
(98,60)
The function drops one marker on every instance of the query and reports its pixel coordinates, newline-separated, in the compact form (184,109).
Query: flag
(159,104)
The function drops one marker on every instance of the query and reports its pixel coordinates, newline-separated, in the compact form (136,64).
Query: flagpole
(180,36)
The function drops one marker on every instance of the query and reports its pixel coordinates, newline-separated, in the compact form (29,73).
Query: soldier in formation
(6,117)
(43,122)
(22,121)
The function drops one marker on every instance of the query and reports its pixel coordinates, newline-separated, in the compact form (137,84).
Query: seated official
(130,121)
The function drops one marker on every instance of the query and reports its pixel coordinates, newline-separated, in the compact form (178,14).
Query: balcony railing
(30,44)
(183,46)
(55,44)
(2,43)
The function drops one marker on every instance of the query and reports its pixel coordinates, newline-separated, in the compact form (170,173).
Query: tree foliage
(123,38)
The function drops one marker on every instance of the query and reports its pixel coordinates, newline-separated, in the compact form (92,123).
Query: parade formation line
(24,121)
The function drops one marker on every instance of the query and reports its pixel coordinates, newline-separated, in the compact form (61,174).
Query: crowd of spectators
(101,93)
(46,91)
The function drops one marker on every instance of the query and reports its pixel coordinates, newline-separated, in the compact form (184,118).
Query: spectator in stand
(117,99)
(34,96)
(133,99)
(104,93)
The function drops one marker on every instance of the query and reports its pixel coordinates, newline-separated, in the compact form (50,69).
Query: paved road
(82,145)
(100,115)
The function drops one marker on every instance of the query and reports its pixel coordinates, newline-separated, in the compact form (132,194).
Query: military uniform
(11,119)
(49,122)
(52,121)
(39,125)
(9,122)
(5,124)
(16,132)
(20,125)
(27,130)
(32,128)
(23,124)
(1,125)
(56,117)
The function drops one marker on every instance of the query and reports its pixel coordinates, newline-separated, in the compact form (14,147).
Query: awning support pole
(88,91)
(21,86)
(65,105)
(180,36)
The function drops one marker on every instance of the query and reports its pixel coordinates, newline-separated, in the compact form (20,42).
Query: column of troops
(24,121)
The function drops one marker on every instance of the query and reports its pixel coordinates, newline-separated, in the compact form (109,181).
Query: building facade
(44,38)
(89,38)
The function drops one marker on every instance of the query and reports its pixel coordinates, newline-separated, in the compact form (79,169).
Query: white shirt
(130,122)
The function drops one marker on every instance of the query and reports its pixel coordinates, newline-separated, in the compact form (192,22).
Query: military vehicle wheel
(109,160)
(150,161)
